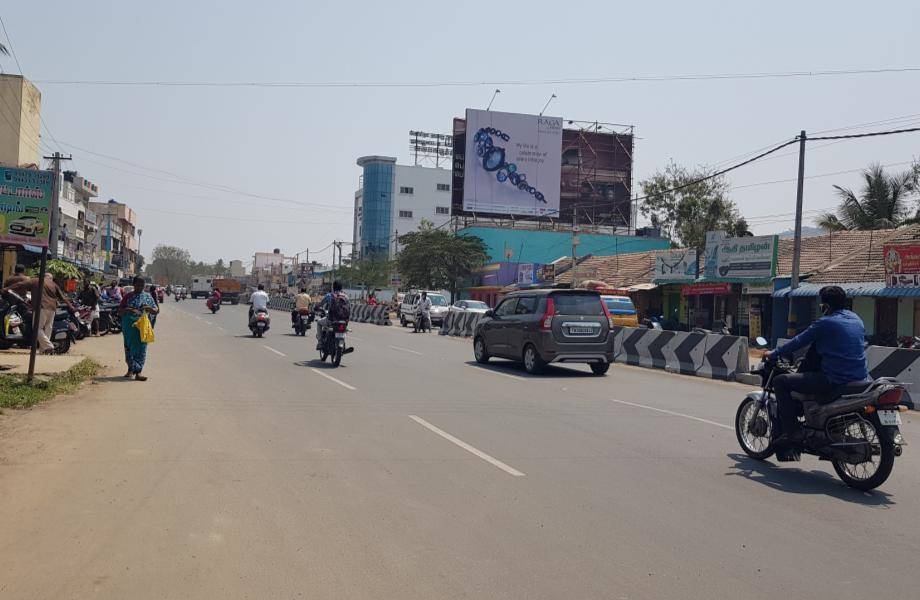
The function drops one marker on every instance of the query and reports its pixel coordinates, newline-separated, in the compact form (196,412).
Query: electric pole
(53,219)
(574,245)
(797,243)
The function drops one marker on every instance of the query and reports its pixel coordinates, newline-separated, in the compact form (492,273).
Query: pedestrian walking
(51,295)
(133,305)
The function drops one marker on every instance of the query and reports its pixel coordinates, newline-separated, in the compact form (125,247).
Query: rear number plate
(339,335)
(581,330)
(889,417)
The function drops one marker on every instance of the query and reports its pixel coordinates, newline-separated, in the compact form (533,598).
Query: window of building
(442,210)
(405,214)
(406,190)
(443,187)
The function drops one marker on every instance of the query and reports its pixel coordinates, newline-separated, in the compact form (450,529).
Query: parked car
(538,327)
(409,306)
(473,306)
(622,309)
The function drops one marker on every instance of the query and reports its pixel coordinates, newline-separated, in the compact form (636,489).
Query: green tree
(172,263)
(367,273)
(882,202)
(434,259)
(684,215)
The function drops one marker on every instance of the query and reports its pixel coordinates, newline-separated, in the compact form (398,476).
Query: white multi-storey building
(393,200)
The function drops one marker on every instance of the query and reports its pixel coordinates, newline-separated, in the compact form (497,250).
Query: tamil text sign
(902,265)
(704,289)
(745,258)
(675,265)
(25,206)
(512,163)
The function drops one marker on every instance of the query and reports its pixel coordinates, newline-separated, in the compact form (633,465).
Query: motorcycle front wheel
(878,461)
(62,346)
(754,430)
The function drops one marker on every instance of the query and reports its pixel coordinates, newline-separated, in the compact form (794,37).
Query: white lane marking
(219,327)
(674,414)
(331,378)
(273,350)
(401,349)
(510,376)
(475,451)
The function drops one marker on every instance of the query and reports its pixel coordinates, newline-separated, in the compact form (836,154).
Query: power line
(747,185)
(520,82)
(853,136)
(226,218)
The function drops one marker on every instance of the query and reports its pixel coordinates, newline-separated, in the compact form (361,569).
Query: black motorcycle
(332,340)
(855,427)
(16,325)
(301,322)
(109,321)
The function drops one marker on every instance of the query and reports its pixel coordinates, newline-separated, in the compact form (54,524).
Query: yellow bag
(145,328)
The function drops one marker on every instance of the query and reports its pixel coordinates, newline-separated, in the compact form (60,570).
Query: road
(244,468)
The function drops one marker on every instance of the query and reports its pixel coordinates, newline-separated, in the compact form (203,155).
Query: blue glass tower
(377,201)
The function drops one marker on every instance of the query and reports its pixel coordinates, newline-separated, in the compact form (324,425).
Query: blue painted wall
(547,246)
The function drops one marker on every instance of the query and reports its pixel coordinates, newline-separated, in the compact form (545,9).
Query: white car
(469,306)
(409,306)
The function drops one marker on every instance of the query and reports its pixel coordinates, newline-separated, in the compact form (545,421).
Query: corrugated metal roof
(875,289)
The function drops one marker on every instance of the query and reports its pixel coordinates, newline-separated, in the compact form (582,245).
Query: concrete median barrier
(704,355)
(460,324)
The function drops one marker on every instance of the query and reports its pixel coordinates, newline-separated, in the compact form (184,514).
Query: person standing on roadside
(115,292)
(133,305)
(19,274)
(51,295)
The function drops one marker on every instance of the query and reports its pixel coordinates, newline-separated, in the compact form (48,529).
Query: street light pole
(797,243)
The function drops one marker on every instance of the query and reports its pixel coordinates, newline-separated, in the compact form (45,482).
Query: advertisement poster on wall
(526,273)
(743,258)
(512,163)
(675,265)
(902,265)
(25,206)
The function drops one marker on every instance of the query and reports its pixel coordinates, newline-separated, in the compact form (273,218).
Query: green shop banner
(25,206)
(745,257)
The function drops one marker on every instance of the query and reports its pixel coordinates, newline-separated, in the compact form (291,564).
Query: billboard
(513,163)
(675,265)
(902,265)
(743,257)
(25,206)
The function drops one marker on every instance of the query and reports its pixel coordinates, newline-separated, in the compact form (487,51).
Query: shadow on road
(514,368)
(799,481)
(318,364)
(112,378)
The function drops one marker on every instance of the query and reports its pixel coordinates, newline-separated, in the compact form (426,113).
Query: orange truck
(229,289)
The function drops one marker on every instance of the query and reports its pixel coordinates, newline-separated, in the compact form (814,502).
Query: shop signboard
(675,265)
(525,274)
(754,289)
(703,289)
(902,265)
(744,258)
(548,272)
(512,164)
(25,206)
(711,253)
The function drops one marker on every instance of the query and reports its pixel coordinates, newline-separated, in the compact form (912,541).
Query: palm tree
(881,204)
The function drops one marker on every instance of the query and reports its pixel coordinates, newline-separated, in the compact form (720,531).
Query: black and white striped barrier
(705,355)
(281,303)
(378,315)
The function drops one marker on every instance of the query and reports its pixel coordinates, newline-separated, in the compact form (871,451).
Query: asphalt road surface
(245,468)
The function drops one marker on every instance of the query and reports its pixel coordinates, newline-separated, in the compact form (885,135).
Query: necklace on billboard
(493,160)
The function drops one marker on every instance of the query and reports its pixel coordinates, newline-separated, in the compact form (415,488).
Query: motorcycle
(109,321)
(65,330)
(16,325)
(212,305)
(856,428)
(422,322)
(301,320)
(332,341)
(259,323)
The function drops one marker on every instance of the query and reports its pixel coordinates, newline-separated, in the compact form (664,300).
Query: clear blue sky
(301,143)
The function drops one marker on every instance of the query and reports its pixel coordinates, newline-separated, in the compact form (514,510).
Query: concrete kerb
(704,355)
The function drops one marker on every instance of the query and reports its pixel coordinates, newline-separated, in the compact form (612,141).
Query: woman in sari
(133,305)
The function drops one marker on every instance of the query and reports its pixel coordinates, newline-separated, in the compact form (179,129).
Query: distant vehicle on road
(470,306)
(27,225)
(622,309)
(538,327)
(409,307)
(201,286)
(229,289)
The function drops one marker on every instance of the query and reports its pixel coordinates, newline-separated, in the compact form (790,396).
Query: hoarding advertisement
(902,265)
(746,257)
(512,163)
(675,265)
(25,206)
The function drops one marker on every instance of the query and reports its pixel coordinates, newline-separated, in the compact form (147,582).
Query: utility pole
(53,219)
(797,244)
(574,245)
(137,259)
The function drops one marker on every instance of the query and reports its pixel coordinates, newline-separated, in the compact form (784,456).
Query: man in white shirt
(259,300)
(423,320)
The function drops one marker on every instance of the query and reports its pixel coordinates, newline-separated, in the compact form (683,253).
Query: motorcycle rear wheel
(754,430)
(62,346)
(872,473)
(337,357)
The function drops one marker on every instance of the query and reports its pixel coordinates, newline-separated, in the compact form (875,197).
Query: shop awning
(642,287)
(875,289)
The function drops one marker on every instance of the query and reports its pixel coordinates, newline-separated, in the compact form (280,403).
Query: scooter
(16,325)
(260,322)
(332,341)
(856,427)
(212,305)
(422,322)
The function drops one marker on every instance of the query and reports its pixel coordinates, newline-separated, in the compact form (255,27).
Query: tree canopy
(367,273)
(684,208)
(437,259)
(882,201)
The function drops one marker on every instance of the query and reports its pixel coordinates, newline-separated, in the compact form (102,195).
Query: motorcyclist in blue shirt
(839,340)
